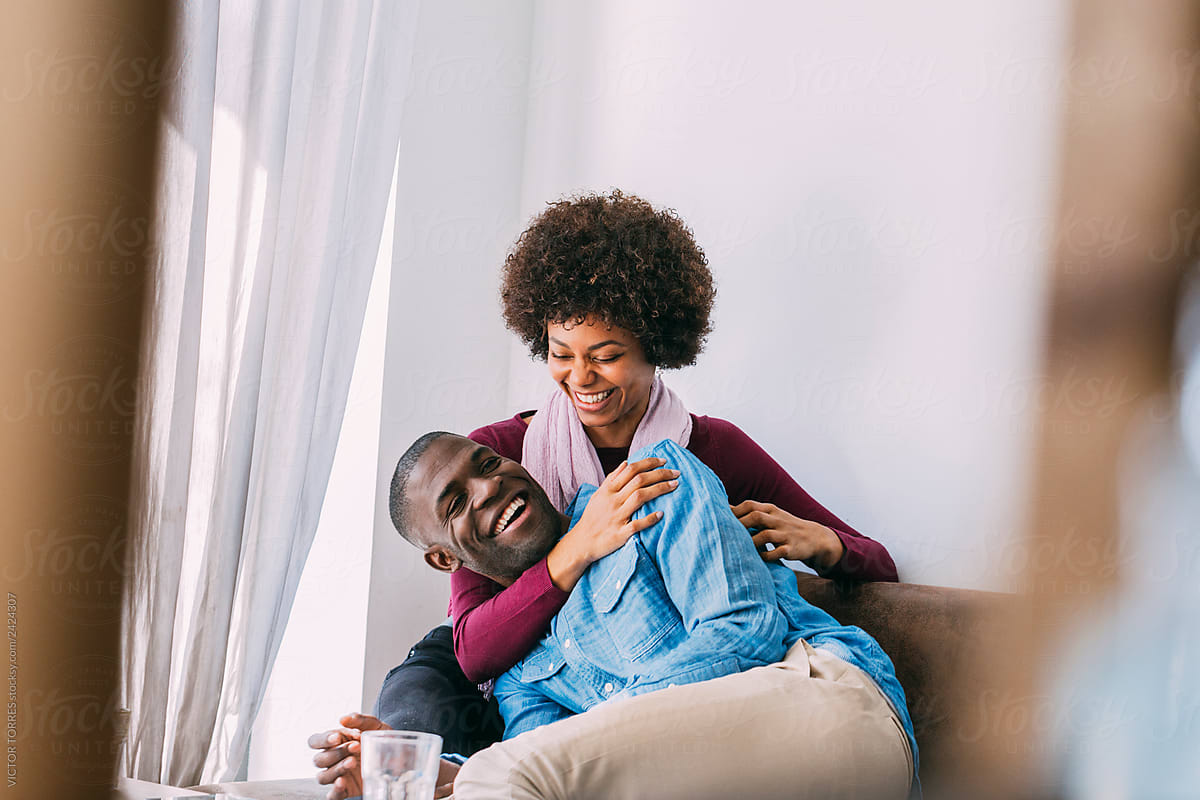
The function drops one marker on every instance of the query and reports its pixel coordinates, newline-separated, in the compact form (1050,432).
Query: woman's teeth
(516,505)
(592,399)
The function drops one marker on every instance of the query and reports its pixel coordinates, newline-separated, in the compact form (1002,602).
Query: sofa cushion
(933,635)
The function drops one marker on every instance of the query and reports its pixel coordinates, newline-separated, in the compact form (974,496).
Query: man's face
(470,506)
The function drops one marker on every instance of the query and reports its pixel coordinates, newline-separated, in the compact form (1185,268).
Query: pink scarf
(560,456)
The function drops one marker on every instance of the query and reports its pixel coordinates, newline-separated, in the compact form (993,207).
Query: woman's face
(606,376)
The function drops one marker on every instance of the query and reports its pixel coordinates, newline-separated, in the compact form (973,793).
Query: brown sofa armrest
(932,635)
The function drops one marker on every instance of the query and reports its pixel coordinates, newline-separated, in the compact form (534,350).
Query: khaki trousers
(809,726)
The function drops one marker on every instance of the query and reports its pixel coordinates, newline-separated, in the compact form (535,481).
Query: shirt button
(567,644)
(608,687)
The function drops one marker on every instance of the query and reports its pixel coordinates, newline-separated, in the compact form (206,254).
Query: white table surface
(130,789)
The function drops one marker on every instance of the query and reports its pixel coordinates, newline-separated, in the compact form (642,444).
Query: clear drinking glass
(400,765)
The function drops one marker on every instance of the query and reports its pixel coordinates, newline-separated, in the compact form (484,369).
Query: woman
(607,290)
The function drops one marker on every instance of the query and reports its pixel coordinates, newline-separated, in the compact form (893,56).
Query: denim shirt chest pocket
(539,668)
(541,664)
(626,574)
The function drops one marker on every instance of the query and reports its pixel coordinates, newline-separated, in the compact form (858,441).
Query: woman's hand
(607,522)
(794,538)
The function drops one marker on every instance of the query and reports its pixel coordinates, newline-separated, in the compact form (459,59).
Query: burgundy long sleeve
(749,473)
(494,626)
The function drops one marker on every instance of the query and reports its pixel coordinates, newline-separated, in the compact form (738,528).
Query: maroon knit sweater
(495,627)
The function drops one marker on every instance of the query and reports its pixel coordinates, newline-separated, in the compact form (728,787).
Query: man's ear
(441,559)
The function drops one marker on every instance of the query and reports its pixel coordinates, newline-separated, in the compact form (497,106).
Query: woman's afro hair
(616,258)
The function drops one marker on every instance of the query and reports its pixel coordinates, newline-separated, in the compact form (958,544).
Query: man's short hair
(398,496)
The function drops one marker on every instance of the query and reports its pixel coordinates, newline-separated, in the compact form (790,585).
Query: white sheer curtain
(278,151)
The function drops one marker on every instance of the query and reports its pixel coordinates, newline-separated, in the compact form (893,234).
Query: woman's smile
(604,371)
(592,401)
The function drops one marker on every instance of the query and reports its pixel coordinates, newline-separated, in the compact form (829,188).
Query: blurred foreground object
(79,84)
(1128,721)
(1129,164)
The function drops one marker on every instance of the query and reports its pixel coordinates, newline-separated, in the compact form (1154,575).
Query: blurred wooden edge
(1129,160)
(78,137)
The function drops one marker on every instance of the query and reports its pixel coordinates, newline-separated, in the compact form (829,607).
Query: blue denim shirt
(685,600)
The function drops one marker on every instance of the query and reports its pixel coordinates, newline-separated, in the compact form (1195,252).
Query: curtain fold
(281,131)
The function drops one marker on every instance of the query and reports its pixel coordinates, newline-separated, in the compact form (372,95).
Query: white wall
(873,185)
(447,351)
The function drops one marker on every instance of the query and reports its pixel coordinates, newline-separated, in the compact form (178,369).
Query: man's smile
(509,516)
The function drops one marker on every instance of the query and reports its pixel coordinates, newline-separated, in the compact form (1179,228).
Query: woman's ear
(441,559)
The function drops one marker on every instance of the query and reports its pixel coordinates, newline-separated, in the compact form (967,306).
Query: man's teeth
(594,398)
(516,505)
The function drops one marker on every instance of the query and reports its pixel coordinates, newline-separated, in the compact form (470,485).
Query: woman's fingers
(607,522)
(786,544)
(640,497)
(617,476)
(782,545)
(647,463)
(630,472)
(617,537)
(765,537)
(642,523)
(746,507)
(756,519)
(662,479)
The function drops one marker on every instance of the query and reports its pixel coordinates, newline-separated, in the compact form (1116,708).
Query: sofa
(932,633)
(935,637)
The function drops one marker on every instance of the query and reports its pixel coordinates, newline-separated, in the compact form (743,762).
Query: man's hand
(447,772)
(340,754)
(794,538)
(607,522)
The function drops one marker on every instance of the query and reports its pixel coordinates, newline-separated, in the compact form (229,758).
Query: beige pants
(810,726)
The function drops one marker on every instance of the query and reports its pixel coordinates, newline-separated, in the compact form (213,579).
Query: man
(702,671)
